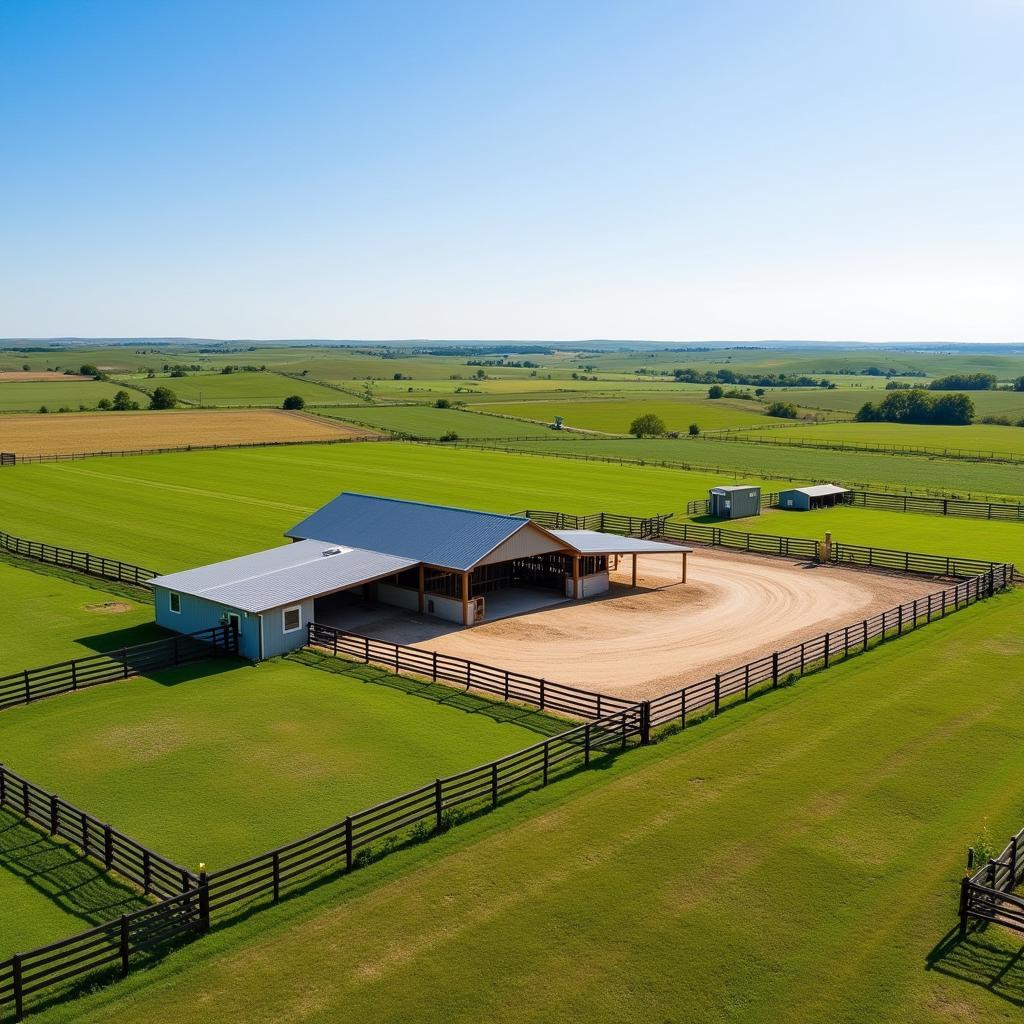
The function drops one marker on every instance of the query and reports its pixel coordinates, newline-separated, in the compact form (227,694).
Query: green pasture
(731,458)
(170,512)
(614,417)
(49,617)
(221,761)
(796,859)
(849,400)
(239,389)
(48,890)
(991,541)
(981,438)
(425,421)
(30,395)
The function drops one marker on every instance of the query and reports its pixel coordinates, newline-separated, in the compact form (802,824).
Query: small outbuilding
(806,499)
(737,502)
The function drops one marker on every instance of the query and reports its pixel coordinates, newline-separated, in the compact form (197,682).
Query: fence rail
(79,561)
(498,682)
(908,561)
(937,506)
(32,684)
(987,895)
(603,522)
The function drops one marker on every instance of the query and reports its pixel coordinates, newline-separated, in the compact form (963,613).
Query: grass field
(614,417)
(978,437)
(920,473)
(49,891)
(904,531)
(241,388)
(218,762)
(130,431)
(28,396)
(173,511)
(424,421)
(47,617)
(793,860)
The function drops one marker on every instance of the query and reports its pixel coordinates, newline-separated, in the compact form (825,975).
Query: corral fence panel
(32,684)
(79,561)
(987,895)
(937,506)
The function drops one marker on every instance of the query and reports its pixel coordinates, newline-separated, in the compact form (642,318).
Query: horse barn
(451,563)
(806,499)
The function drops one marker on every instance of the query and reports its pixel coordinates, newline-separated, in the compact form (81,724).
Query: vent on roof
(331,551)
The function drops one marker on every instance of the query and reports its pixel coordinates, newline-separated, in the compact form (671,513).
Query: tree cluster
(964,382)
(917,406)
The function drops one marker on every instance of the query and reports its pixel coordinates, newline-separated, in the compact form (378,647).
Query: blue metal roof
(452,538)
(283,575)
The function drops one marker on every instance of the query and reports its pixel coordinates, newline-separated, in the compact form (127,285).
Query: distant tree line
(763,380)
(918,406)
(964,382)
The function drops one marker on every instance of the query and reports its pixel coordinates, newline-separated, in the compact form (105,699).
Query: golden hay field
(16,376)
(63,433)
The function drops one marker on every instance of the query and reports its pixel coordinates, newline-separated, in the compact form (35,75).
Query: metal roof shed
(806,499)
(734,502)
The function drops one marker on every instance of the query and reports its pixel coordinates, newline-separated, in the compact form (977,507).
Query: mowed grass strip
(222,761)
(428,422)
(48,617)
(174,511)
(132,431)
(70,393)
(736,459)
(48,890)
(796,859)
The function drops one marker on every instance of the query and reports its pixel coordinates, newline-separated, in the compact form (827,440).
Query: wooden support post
(575,577)
(634,570)
(965,884)
(684,566)
(465,598)
(422,573)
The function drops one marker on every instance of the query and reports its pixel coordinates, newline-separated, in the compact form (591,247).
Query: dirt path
(644,642)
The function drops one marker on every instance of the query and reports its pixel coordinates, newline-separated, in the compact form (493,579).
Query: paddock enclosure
(641,642)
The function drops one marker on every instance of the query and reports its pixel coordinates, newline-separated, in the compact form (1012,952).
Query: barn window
(174,602)
(292,619)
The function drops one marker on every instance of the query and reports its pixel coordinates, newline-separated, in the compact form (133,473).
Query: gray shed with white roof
(805,499)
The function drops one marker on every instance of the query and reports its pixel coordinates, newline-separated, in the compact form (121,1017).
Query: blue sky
(482,170)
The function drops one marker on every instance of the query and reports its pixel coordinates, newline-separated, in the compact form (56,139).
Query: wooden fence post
(348,843)
(775,669)
(438,803)
(54,823)
(1012,882)
(124,948)
(108,847)
(16,985)
(586,744)
(645,722)
(718,690)
(204,900)
(827,638)
(682,709)
(494,783)
(275,871)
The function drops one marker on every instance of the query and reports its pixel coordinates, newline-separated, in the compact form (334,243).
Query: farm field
(240,388)
(614,417)
(131,431)
(905,531)
(914,472)
(222,761)
(425,421)
(986,403)
(49,891)
(48,617)
(64,392)
(813,833)
(979,437)
(144,509)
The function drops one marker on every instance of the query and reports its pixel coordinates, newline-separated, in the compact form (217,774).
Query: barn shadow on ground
(989,957)
(129,636)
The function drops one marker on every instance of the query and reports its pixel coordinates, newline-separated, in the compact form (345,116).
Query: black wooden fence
(987,895)
(702,506)
(908,561)
(603,522)
(499,682)
(32,684)
(937,506)
(79,561)
(154,874)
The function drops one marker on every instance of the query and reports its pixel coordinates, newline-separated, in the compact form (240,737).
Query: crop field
(246,499)
(49,615)
(921,473)
(240,388)
(813,833)
(132,431)
(981,438)
(222,761)
(64,393)
(614,417)
(425,421)
(986,403)
(49,891)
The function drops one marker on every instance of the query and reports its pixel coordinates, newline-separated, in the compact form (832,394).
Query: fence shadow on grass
(128,636)
(987,957)
(56,870)
(528,718)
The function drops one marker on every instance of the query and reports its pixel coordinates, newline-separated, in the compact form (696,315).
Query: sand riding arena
(642,642)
